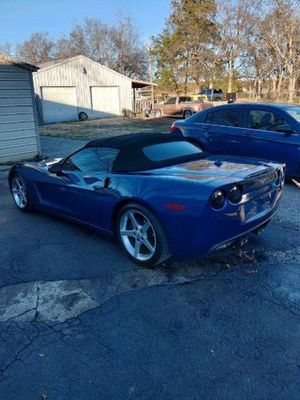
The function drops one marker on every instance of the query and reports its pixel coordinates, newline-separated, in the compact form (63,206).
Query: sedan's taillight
(175,130)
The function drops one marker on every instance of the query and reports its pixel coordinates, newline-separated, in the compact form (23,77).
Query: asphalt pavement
(79,321)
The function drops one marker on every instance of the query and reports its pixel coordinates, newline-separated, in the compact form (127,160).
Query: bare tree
(38,49)
(6,49)
(236,30)
(281,36)
(131,55)
(116,47)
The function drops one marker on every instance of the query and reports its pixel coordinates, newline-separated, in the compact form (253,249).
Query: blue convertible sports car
(159,195)
(262,131)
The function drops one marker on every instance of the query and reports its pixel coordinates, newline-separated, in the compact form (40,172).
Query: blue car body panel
(247,142)
(193,230)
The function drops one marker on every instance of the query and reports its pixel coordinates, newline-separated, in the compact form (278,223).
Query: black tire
(187,113)
(161,248)
(82,116)
(17,180)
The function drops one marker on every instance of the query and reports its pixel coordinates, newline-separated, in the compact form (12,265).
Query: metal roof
(54,62)
(137,84)
(6,60)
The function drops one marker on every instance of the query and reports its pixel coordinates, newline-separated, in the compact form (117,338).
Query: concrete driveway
(78,320)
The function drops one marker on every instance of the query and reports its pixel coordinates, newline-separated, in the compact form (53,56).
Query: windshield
(294,112)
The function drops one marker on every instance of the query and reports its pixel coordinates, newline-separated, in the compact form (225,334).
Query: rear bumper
(214,230)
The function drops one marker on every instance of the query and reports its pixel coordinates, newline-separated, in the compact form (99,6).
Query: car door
(80,191)
(170,106)
(220,130)
(272,136)
(181,103)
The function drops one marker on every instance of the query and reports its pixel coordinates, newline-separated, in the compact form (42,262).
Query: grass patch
(98,128)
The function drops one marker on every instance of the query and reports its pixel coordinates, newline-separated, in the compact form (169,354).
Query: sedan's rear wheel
(19,191)
(187,113)
(142,235)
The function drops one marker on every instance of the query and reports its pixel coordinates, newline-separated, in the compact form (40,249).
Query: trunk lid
(215,168)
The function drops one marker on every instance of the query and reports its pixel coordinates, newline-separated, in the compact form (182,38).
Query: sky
(20,18)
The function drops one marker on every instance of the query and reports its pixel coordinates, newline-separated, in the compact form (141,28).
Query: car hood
(214,167)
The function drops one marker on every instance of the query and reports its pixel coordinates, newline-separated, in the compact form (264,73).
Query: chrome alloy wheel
(137,234)
(19,193)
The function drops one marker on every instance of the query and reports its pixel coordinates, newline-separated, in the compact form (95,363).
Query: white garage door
(59,104)
(105,100)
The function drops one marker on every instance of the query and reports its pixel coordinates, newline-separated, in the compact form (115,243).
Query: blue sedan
(159,195)
(261,131)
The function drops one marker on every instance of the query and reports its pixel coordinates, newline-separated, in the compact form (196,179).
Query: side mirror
(284,129)
(55,169)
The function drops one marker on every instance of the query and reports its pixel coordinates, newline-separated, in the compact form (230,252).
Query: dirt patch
(106,127)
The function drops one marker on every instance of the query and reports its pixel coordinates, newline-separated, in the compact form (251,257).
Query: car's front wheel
(20,194)
(142,236)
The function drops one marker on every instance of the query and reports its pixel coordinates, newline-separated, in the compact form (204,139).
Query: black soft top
(131,157)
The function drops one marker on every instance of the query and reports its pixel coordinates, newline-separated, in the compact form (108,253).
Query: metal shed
(78,84)
(19,134)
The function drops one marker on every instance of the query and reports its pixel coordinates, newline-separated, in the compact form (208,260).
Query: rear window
(162,152)
(224,117)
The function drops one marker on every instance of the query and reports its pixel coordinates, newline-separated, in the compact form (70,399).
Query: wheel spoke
(148,245)
(19,183)
(133,220)
(137,248)
(127,232)
(145,227)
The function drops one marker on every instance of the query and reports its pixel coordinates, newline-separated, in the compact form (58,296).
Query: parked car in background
(159,195)
(183,106)
(218,95)
(262,131)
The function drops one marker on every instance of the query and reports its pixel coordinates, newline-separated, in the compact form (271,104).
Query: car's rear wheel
(142,236)
(187,113)
(158,113)
(19,191)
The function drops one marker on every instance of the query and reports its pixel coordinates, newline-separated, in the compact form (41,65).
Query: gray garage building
(19,134)
(78,84)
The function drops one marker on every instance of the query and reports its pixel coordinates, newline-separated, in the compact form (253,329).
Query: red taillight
(174,128)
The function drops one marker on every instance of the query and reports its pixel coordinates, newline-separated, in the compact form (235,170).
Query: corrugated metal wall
(83,74)
(18,128)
